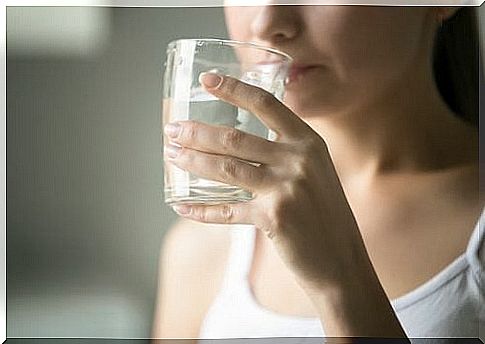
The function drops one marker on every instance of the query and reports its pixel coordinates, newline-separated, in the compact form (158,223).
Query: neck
(409,128)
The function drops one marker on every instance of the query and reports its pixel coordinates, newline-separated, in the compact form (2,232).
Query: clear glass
(185,99)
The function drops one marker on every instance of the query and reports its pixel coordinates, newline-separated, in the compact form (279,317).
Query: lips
(297,71)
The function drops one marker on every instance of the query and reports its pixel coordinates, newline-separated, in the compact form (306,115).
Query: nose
(276,24)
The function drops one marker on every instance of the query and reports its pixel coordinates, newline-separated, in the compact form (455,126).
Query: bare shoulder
(189,240)
(191,266)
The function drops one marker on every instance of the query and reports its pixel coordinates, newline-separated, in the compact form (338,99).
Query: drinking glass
(184,98)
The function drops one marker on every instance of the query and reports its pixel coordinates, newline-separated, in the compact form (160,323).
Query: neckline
(441,278)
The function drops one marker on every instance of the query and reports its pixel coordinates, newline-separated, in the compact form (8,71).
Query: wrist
(351,269)
(346,283)
(355,304)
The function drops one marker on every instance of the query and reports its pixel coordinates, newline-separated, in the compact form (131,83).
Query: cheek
(374,44)
(366,49)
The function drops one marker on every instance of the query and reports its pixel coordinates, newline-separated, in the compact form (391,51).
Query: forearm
(356,306)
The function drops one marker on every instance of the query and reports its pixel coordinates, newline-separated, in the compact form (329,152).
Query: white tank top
(447,305)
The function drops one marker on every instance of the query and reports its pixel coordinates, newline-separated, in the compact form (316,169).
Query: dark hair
(457,63)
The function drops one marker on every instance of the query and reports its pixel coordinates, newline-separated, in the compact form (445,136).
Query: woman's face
(343,55)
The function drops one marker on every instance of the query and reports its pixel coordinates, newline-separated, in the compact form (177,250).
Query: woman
(372,229)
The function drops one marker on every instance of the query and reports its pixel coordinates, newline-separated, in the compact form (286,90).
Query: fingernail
(210,80)
(172,129)
(181,209)
(171,150)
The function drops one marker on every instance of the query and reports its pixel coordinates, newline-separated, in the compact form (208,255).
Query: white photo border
(145,3)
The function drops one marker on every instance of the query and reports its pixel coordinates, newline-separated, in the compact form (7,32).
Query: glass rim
(232,42)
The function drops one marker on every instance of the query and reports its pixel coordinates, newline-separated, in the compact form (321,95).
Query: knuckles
(223,214)
(228,168)
(231,169)
(262,100)
(227,213)
(300,168)
(312,147)
(290,193)
(188,133)
(199,214)
(232,139)
(229,86)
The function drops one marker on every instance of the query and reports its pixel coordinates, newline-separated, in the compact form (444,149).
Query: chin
(308,105)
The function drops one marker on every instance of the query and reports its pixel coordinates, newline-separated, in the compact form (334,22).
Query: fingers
(261,103)
(228,213)
(223,140)
(220,168)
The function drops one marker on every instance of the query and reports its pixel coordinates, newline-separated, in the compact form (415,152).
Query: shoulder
(194,252)
(476,250)
(195,244)
(191,267)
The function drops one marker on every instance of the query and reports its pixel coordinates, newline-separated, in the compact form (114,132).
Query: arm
(300,206)
(189,273)
(356,306)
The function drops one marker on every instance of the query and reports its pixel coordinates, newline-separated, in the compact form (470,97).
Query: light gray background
(84,172)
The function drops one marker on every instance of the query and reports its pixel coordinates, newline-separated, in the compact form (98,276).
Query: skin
(363,125)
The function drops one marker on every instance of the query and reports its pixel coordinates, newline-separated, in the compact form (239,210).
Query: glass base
(210,195)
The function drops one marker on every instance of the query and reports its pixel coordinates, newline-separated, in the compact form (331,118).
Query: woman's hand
(298,203)
(298,200)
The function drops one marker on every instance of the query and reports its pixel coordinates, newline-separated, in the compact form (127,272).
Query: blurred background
(85,216)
